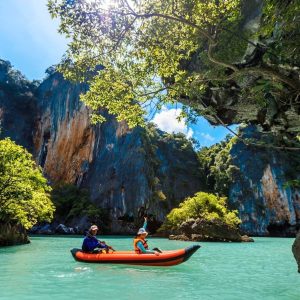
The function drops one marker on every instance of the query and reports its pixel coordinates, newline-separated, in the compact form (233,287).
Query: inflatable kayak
(166,258)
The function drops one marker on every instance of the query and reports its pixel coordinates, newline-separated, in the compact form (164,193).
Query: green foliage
(171,50)
(72,202)
(281,21)
(216,165)
(295,183)
(24,192)
(163,175)
(204,206)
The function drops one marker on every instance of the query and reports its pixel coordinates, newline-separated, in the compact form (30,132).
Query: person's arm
(145,222)
(102,245)
(142,248)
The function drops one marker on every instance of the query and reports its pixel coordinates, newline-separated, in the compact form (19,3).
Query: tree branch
(153,92)
(211,46)
(164,16)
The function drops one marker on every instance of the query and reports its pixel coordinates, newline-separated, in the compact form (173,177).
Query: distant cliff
(261,182)
(127,172)
(17,105)
(266,203)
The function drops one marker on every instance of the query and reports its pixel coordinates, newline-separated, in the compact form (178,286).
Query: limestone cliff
(17,105)
(127,172)
(265,203)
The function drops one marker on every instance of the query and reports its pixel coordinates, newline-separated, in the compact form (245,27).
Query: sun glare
(104,3)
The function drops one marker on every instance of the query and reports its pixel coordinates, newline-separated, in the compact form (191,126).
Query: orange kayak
(166,258)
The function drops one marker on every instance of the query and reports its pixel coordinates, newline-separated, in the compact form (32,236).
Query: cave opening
(282,230)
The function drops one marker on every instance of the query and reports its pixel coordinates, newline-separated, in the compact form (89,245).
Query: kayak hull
(166,258)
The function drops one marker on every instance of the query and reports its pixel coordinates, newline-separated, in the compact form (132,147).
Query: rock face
(127,172)
(114,163)
(11,234)
(17,105)
(265,204)
(296,250)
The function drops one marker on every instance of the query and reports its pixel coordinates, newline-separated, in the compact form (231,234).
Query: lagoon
(46,270)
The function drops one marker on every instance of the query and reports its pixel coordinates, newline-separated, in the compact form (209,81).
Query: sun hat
(94,227)
(142,231)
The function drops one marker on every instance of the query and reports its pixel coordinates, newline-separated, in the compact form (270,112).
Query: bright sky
(30,41)
(29,38)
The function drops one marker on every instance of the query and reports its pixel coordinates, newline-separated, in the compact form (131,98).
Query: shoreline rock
(11,235)
(247,239)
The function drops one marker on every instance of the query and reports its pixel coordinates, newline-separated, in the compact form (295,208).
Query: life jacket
(136,248)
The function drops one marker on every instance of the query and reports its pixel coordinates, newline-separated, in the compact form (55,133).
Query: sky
(29,37)
(30,41)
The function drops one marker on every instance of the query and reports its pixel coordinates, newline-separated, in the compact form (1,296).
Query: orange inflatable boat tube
(166,258)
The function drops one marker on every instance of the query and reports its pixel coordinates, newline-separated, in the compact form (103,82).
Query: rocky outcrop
(127,172)
(267,205)
(203,230)
(12,234)
(296,250)
(17,106)
(53,228)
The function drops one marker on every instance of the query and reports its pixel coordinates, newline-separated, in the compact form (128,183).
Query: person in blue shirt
(140,244)
(91,244)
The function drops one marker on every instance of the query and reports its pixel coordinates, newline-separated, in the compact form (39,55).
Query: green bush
(24,192)
(205,206)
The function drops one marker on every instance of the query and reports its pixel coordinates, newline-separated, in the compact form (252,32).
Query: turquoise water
(45,270)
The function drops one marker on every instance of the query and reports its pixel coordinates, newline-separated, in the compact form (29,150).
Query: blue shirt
(90,243)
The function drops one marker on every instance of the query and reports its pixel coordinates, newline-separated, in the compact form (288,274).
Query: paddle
(157,249)
(111,248)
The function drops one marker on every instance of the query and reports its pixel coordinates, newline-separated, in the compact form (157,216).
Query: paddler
(91,244)
(140,244)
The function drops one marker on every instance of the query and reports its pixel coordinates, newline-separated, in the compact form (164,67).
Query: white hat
(94,227)
(142,231)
